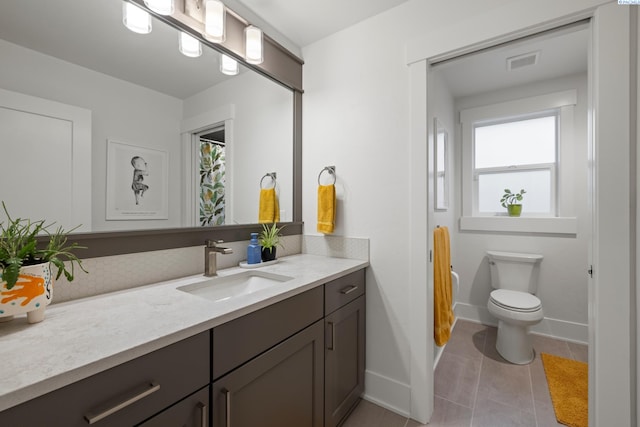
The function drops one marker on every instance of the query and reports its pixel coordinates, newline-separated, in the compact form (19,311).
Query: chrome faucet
(210,262)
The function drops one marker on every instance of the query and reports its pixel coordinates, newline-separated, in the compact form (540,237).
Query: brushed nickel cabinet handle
(203,414)
(227,399)
(332,346)
(140,393)
(347,290)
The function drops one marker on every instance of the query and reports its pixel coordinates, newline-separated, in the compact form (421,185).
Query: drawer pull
(332,346)
(203,414)
(148,389)
(227,406)
(348,289)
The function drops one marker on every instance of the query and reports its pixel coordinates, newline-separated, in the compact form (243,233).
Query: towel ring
(271,175)
(331,170)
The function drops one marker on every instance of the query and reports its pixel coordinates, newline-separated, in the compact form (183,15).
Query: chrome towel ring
(331,170)
(271,175)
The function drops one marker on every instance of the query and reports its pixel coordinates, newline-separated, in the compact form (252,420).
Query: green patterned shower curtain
(212,179)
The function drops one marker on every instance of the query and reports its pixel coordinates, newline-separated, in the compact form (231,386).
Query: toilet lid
(515,300)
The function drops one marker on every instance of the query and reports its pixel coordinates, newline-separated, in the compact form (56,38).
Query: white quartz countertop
(80,338)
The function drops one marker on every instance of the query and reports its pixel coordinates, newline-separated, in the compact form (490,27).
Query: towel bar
(331,170)
(271,175)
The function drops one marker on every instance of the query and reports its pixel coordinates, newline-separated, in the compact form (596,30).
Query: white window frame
(562,102)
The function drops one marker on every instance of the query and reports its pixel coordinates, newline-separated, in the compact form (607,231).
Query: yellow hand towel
(269,210)
(443,298)
(326,208)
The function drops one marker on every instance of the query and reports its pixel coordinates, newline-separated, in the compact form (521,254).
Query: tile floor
(475,387)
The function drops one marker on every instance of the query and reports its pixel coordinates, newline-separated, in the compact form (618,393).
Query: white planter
(31,294)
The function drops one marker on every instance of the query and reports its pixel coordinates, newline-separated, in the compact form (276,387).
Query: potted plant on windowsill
(269,239)
(26,284)
(511,201)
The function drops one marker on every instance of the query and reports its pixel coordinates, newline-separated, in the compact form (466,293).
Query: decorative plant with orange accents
(19,247)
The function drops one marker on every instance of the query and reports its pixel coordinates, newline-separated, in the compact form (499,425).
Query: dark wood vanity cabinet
(128,394)
(344,354)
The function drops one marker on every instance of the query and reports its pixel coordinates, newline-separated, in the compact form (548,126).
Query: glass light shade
(162,7)
(135,18)
(214,22)
(189,45)
(228,65)
(253,45)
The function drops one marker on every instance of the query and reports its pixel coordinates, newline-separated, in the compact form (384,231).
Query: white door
(53,179)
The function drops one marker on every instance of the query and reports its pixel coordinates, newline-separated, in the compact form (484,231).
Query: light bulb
(253,45)
(189,45)
(162,7)
(214,23)
(228,65)
(135,18)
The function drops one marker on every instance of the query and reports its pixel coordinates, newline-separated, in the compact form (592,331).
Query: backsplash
(120,272)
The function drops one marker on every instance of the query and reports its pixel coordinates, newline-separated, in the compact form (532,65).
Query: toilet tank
(514,271)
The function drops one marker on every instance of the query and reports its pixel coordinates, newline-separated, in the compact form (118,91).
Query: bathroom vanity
(292,354)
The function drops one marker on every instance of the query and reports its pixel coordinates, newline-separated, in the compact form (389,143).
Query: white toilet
(515,279)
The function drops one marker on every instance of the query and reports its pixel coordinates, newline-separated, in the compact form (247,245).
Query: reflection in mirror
(73,77)
(441,160)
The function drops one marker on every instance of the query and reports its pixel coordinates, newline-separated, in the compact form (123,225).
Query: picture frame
(137,182)
(441,161)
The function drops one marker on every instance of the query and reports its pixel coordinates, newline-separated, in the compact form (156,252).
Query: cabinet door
(192,411)
(281,387)
(344,360)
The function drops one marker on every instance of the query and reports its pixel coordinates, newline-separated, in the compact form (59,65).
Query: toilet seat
(522,302)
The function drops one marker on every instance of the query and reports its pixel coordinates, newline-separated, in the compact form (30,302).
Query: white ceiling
(307,21)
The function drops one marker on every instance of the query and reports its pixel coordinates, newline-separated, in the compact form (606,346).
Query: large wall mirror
(83,96)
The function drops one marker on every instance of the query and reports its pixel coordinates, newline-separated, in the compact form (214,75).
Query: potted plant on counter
(26,284)
(511,201)
(269,239)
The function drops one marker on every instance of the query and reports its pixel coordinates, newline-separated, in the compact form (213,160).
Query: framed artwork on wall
(137,182)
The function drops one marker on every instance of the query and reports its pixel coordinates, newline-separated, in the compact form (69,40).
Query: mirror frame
(279,65)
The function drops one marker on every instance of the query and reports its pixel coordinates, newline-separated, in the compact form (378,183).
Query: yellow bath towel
(443,298)
(326,208)
(269,210)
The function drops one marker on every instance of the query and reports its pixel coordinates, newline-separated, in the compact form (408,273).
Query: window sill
(505,224)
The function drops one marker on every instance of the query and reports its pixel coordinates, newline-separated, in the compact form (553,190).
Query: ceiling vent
(524,60)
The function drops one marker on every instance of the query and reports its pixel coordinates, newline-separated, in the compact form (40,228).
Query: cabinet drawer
(148,384)
(343,290)
(242,339)
(192,411)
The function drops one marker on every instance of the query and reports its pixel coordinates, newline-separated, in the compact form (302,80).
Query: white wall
(563,279)
(262,139)
(357,107)
(120,111)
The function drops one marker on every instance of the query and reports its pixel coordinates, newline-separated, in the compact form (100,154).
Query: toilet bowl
(515,279)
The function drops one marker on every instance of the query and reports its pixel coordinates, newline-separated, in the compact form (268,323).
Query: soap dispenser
(254,251)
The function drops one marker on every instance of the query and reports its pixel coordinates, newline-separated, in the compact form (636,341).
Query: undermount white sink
(223,288)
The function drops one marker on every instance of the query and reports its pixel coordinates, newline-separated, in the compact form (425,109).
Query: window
(528,144)
(516,154)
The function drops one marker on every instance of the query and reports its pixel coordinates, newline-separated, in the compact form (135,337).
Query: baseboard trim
(554,328)
(388,393)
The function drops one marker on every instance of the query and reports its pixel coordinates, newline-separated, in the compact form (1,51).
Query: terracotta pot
(31,294)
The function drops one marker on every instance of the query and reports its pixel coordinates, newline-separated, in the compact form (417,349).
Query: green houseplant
(511,201)
(269,239)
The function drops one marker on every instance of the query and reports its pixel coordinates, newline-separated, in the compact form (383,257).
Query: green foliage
(19,247)
(270,236)
(509,198)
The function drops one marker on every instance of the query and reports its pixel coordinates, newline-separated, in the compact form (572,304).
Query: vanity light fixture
(162,7)
(228,65)
(135,18)
(189,45)
(253,45)
(214,22)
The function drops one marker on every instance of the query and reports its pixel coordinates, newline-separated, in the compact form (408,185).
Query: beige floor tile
(551,346)
(579,352)
(450,414)
(494,414)
(539,384)
(467,339)
(456,379)
(506,383)
(545,415)
(368,414)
